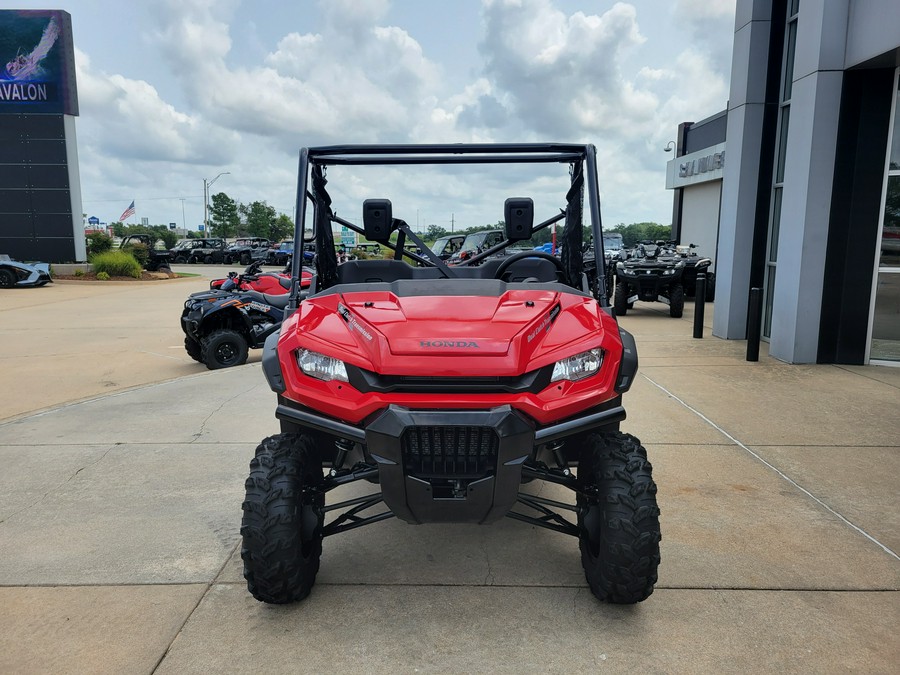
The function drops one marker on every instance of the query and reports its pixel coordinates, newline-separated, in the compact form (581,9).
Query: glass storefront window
(885,345)
(890,231)
(886,319)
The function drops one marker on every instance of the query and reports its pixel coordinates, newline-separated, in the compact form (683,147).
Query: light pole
(671,145)
(206,185)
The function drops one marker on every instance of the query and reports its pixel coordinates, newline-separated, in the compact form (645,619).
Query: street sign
(348,237)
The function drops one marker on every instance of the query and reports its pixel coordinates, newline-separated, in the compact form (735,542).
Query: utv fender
(271,365)
(629,365)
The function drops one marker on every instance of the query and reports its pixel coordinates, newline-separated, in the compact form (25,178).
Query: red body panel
(268,283)
(450,336)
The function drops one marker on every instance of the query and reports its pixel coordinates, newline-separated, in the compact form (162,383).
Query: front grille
(449,451)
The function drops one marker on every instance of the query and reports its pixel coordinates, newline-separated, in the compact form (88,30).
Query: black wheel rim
(227,353)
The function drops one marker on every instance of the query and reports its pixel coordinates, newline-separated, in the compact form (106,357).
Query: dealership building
(795,187)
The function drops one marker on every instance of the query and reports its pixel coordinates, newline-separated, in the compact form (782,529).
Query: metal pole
(753,323)
(205,200)
(699,304)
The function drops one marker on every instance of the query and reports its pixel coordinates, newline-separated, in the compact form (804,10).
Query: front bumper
(462,466)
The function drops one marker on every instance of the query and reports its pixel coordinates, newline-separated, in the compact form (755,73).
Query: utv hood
(450,335)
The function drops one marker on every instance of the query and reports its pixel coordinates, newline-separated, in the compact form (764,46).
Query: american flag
(127,212)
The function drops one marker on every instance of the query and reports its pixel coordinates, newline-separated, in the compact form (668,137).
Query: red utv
(448,388)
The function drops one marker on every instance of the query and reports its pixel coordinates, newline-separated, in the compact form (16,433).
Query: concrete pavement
(119,518)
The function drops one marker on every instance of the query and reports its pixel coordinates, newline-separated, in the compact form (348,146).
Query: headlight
(669,272)
(578,367)
(321,367)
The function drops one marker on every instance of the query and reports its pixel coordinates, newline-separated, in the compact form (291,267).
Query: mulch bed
(92,276)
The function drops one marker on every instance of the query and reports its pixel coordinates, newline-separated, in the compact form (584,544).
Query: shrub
(116,264)
(79,273)
(97,242)
(140,252)
(102,276)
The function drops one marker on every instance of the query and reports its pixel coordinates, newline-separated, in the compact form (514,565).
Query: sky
(175,92)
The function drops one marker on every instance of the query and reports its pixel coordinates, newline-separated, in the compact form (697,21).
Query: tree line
(228,218)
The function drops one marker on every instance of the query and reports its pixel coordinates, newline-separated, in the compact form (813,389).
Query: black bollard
(699,304)
(753,322)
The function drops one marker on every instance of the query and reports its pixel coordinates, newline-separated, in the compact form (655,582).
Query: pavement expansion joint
(772,467)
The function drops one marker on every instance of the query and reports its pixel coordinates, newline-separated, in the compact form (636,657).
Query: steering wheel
(506,264)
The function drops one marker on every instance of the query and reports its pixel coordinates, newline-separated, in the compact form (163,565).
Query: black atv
(694,265)
(222,325)
(652,273)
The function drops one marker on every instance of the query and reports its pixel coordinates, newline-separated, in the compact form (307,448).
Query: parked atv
(449,387)
(694,265)
(652,273)
(274,283)
(221,326)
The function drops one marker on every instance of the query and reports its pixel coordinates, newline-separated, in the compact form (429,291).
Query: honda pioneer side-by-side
(450,415)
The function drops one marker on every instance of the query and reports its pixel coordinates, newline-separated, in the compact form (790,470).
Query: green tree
(433,232)
(118,228)
(97,242)
(259,219)
(283,228)
(635,232)
(224,220)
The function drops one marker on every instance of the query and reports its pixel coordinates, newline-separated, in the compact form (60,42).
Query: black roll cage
(583,169)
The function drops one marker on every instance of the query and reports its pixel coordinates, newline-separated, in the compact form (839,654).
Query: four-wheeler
(15,274)
(281,254)
(247,249)
(694,265)
(453,390)
(273,283)
(157,258)
(221,325)
(651,273)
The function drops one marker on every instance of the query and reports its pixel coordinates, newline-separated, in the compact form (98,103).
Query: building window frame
(880,269)
(776,200)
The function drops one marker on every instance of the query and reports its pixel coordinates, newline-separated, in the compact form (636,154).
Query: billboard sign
(37,62)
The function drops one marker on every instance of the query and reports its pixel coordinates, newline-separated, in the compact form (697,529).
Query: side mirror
(518,213)
(377,217)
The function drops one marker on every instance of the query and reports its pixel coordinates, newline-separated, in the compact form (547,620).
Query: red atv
(451,388)
(272,283)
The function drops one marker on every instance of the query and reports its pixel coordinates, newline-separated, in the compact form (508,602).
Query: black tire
(618,518)
(208,260)
(283,518)
(7,278)
(180,260)
(620,301)
(193,348)
(246,259)
(676,301)
(223,349)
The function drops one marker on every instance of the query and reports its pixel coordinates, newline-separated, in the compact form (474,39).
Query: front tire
(618,518)
(224,348)
(620,301)
(676,301)
(193,348)
(7,278)
(283,519)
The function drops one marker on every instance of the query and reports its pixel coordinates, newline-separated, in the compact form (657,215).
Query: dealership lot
(120,506)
